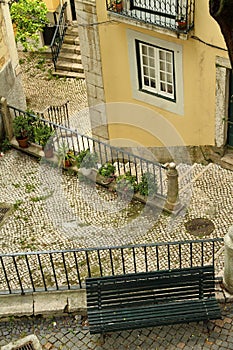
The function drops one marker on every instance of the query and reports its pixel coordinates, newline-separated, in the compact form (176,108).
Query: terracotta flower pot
(48,152)
(23,143)
(119,7)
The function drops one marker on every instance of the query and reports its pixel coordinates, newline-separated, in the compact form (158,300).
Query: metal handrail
(58,36)
(106,153)
(26,272)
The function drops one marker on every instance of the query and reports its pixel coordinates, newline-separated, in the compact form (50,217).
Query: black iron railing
(58,36)
(176,15)
(123,161)
(57,114)
(67,269)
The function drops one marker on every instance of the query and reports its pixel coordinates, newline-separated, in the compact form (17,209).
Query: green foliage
(5,145)
(86,159)
(22,126)
(107,169)
(127,182)
(148,185)
(43,135)
(65,154)
(30,18)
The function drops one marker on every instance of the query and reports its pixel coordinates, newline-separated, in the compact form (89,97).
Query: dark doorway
(230,114)
(72,6)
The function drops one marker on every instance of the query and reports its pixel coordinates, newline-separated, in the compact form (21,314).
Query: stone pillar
(87,19)
(228,261)
(7,120)
(173,202)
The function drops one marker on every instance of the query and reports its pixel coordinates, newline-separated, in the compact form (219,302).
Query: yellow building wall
(197,125)
(52,5)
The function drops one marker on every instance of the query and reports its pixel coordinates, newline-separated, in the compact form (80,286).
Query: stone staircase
(69,62)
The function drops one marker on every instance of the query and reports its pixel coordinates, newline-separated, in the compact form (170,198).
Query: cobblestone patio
(68,333)
(53,210)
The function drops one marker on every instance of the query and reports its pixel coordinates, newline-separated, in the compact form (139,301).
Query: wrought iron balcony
(176,15)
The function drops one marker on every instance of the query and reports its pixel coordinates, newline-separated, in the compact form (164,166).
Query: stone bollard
(228,261)
(173,202)
(7,120)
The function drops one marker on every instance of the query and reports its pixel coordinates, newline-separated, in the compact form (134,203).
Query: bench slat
(165,314)
(148,299)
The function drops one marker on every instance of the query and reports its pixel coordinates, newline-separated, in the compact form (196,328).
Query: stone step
(69,57)
(68,74)
(70,39)
(71,48)
(73,31)
(69,66)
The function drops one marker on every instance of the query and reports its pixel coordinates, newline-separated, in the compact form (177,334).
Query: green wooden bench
(148,299)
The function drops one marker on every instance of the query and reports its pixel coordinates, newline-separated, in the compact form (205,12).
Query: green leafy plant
(86,159)
(126,182)
(148,185)
(65,155)
(22,126)
(107,170)
(5,145)
(29,18)
(43,135)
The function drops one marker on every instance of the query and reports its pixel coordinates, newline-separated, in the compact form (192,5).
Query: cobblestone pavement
(37,81)
(68,333)
(54,210)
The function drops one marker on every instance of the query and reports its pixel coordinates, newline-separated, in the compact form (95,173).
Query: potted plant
(181,23)
(126,184)
(66,156)
(22,129)
(44,136)
(86,161)
(148,185)
(107,170)
(119,5)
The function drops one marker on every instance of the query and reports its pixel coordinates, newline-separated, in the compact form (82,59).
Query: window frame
(175,104)
(158,81)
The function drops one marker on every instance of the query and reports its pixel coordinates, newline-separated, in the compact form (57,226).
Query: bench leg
(102,338)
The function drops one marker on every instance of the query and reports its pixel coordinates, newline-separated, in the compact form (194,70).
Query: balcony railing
(176,15)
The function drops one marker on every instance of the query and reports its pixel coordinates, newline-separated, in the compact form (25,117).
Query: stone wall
(91,60)
(10,75)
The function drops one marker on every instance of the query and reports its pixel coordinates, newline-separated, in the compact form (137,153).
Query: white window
(155,68)
(156,71)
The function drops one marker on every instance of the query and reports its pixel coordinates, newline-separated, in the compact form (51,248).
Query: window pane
(146,81)
(145,60)
(144,50)
(145,71)
(163,86)
(152,73)
(170,89)
(161,55)
(151,62)
(168,57)
(151,52)
(169,67)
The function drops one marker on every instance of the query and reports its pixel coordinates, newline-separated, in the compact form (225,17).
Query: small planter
(119,7)
(85,171)
(48,152)
(182,25)
(23,143)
